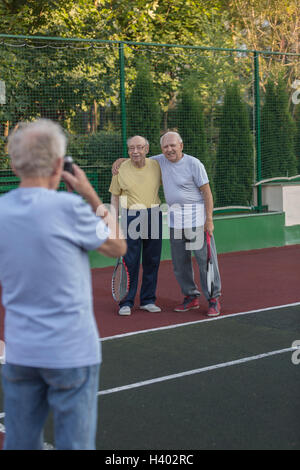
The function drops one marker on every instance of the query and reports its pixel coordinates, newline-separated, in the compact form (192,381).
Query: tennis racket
(120,280)
(2,352)
(209,267)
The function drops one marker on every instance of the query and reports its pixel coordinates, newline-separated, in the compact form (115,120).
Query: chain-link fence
(236,110)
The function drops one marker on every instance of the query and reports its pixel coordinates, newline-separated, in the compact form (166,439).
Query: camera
(68,164)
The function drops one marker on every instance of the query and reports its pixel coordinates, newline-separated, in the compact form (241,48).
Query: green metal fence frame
(256,56)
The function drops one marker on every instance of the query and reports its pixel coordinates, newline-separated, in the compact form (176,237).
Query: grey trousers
(182,247)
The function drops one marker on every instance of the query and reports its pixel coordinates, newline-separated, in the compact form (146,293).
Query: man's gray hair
(130,138)
(170,133)
(35,146)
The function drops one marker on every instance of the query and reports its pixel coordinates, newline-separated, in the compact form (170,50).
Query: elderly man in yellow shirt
(135,189)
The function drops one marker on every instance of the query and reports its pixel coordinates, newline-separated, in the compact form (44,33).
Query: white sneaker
(150,308)
(126,310)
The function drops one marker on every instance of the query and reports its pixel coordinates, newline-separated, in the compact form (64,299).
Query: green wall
(234,233)
(249,232)
(292,235)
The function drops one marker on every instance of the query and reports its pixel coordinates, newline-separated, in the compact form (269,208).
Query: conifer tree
(234,161)
(190,123)
(297,139)
(143,110)
(278,131)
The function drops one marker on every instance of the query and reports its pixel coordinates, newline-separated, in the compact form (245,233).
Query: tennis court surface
(175,381)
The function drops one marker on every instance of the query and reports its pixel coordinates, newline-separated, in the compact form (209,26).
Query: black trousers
(143,230)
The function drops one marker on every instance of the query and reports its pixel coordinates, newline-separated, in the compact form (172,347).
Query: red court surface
(251,280)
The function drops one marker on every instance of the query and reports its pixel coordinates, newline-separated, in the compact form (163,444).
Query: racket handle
(208,238)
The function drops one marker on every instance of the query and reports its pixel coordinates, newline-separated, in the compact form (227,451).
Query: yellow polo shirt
(137,187)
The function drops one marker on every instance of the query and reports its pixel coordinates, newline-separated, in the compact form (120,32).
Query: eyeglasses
(138,147)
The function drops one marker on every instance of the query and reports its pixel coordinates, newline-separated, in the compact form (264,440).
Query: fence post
(122,97)
(257,128)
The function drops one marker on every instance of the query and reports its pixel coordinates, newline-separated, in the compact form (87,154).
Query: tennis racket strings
(210,268)
(120,281)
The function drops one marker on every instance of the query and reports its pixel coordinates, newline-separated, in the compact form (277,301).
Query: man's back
(45,277)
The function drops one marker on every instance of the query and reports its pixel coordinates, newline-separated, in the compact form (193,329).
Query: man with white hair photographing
(51,340)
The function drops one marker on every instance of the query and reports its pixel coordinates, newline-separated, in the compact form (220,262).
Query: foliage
(174,21)
(235,164)
(4,160)
(143,110)
(77,82)
(190,124)
(277,133)
(47,17)
(297,139)
(267,25)
(179,21)
(106,146)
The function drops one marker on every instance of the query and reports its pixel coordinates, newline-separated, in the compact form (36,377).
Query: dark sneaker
(189,303)
(214,308)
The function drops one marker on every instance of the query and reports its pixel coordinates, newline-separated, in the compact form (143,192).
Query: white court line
(194,371)
(177,325)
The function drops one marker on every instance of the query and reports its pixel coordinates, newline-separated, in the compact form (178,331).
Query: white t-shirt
(181,182)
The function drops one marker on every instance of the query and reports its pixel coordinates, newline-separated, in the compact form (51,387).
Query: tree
(234,163)
(143,111)
(297,139)
(267,25)
(176,21)
(190,124)
(277,133)
(48,17)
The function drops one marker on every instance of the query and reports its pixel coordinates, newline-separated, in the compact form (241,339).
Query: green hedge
(96,153)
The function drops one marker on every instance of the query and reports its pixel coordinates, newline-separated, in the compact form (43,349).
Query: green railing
(9,182)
